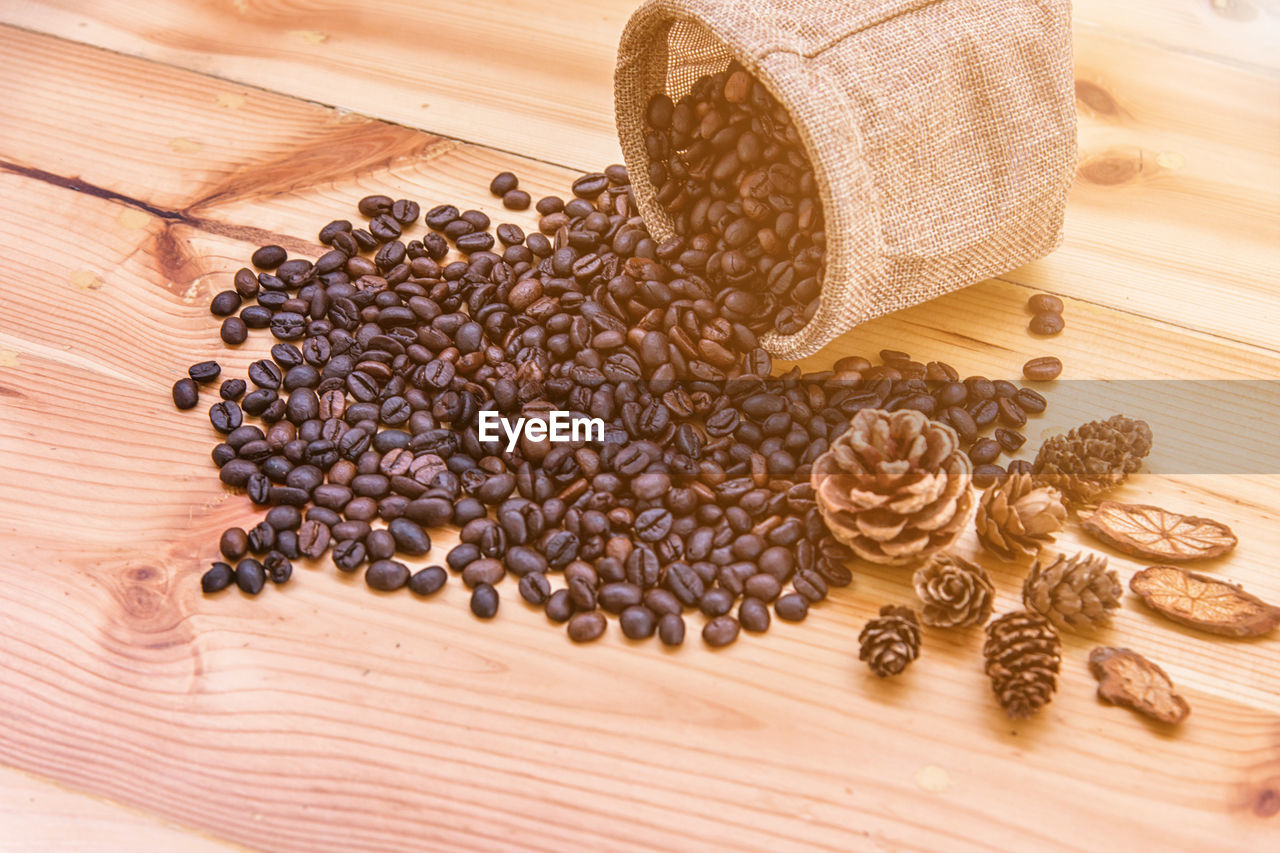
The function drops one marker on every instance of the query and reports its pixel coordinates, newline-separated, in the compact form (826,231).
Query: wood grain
(324,716)
(40,815)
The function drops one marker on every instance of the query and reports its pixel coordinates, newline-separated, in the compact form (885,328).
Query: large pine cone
(895,486)
(956,593)
(1079,591)
(1022,654)
(890,641)
(1094,458)
(1015,517)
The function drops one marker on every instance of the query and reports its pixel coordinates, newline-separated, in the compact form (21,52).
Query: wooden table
(146,148)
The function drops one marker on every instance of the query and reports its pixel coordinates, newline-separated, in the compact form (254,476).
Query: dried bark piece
(1128,679)
(1142,530)
(1199,601)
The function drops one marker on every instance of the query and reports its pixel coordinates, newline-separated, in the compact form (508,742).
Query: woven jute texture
(942,134)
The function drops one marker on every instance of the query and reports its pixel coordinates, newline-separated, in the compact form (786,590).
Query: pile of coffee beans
(728,166)
(390,346)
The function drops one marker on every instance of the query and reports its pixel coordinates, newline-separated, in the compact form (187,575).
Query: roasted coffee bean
(1044,303)
(428,581)
(616,597)
(986,475)
(1046,324)
(484,601)
(671,629)
(810,584)
(379,544)
(1011,414)
(348,554)
(1009,440)
(516,200)
(716,601)
(585,627)
(225,303)
(265,374)
(1030,401)
(217,578)
(204,372)
(278,567)
(792,607)
(1042,369)
(386,575)
(535,588)
(186,393)
(269,257)
(984,450)
(637,622)
(225,416)
(753,615)
(251,577)
(231,389)
(720,631)
(559,606)
(234,543)
(410,538)
(283,517)
(485,570)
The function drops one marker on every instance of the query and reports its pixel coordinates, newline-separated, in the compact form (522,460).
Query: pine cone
(1092,459)
(890,641)
(894,487)
(1023,653)
(1015,517)
(956,593)
(1079,592)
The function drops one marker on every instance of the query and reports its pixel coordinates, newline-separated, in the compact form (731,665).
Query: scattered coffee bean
(720,631)
(250,576)
(217,578)
(484,601)
(386,575)
(1045,303)
(585,627)
(1046,324)
(204,372)
(1042,369)
(428,581)
(185,393)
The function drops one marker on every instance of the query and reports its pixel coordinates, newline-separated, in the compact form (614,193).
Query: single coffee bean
(986,475)
(671,629)
(484,601)
(225,303)
(753,614)
(503,183)
(410,537)
(516,200)
(1010,440)
(269,257)
(348,554)
(234,543)
(585,627)
(234,331)
(720,631)
(386,575)
(1042,369)
(716,601)
(1030,401)
(535,588)
(637,622)
(559,606)
(217,578)
(792,607)
(250,576)
(984,450)
(225,416)
(428,581)
(278,567)
(1046,324)
(232,389)
(1045,303)
(485,570)
(204,372)
(185,393)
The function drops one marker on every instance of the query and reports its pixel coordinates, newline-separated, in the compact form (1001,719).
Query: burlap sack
(941,132)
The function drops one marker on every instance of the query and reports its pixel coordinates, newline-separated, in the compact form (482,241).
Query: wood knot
(1111,169)
(1267,802)
(142,592)
(1096,98)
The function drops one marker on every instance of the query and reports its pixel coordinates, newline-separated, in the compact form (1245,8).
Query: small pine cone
(890,641)
(895,486)
(1015,517)
(1079,592)
(956,593)
(1094,458)
(1022,654)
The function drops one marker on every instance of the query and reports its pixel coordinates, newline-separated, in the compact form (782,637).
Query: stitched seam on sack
(875,22)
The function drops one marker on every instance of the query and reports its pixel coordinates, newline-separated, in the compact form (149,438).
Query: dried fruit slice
(1141,530)
(1128,679)
(1200,601)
